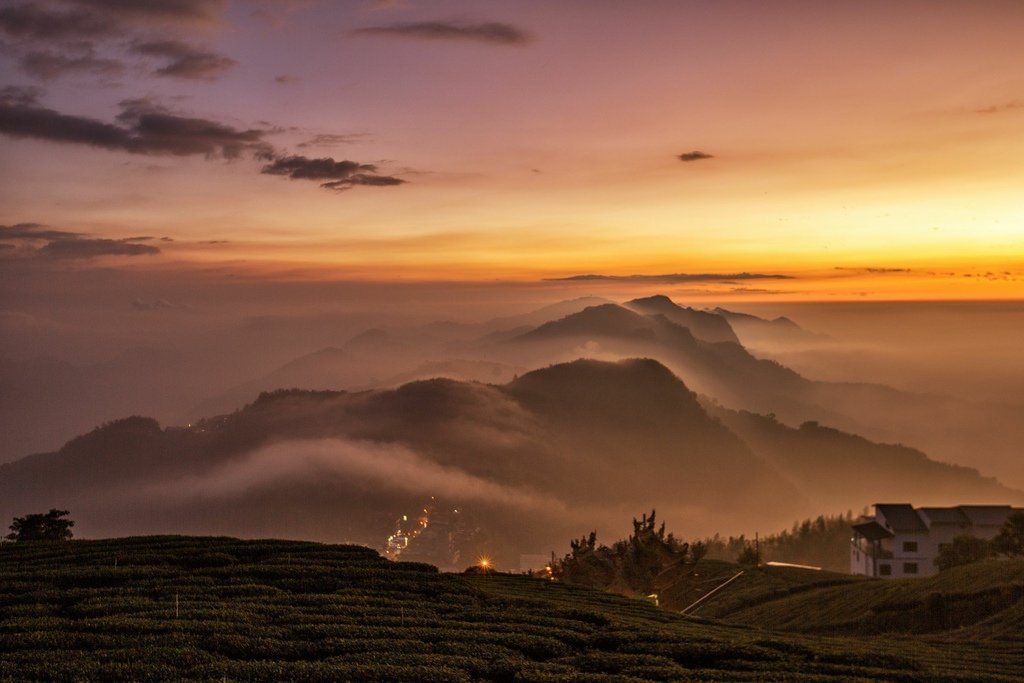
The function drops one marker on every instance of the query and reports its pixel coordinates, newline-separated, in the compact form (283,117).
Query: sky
(789,150)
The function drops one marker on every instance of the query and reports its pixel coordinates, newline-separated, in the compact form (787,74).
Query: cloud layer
(35,240)
(383,465)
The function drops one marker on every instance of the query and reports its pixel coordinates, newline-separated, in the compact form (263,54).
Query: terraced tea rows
(173,608)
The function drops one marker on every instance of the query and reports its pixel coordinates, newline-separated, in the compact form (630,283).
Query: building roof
(944,516)
(986,515)
(901,517)
(873,531)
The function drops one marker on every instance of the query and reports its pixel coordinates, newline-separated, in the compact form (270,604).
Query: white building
(902,540)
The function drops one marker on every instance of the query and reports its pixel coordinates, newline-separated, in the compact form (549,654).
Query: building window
(910,546)
(885,570)
(910,567)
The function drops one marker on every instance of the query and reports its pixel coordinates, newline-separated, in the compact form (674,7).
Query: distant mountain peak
(603,319)
(654,299)
(704,325)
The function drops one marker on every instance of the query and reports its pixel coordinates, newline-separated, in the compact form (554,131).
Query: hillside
(531,461)
(523,466)
(831,460)
(167,608)
(980,601)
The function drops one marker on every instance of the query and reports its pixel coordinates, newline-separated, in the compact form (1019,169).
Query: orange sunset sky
(859,149)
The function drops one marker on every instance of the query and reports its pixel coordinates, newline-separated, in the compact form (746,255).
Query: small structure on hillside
(901,540)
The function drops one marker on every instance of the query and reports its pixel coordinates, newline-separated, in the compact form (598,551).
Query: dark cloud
(47,65)
(60,244)
(140,238)
(186,61)
(673,277)
(695,155)
(285,79)
(339,175)
(146,129)
(35,22)
(33,231)
(156,10)
(155,130)
(304,168)
(495,33)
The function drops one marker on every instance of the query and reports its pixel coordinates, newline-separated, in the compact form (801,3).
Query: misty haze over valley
(533,421)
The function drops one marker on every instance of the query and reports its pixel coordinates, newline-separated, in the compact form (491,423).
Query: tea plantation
(220,609)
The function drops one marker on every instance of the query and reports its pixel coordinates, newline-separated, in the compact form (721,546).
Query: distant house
(902,540)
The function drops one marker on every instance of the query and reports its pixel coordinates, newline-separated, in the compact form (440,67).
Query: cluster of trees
(629,565)
(822,542)
(54,525)
(633,565)
(966,549)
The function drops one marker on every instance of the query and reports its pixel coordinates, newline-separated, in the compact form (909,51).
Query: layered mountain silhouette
(757,331)
(551,454)
(949,428)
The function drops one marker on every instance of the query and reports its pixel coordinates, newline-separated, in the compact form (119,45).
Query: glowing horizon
(847,147)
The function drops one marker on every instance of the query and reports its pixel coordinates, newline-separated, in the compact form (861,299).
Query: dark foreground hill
(219,609)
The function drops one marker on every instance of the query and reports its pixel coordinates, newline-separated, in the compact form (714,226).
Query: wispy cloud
(332,139)
(36,240)
(185,61)
(495,33)
(46,65)
(670,278)
(998,108)
(875,270)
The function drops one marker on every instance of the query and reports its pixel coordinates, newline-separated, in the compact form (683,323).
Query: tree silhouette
(964,549)
(50,526)
(1010,540)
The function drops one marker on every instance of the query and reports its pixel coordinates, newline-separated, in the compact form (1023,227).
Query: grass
(218,609)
